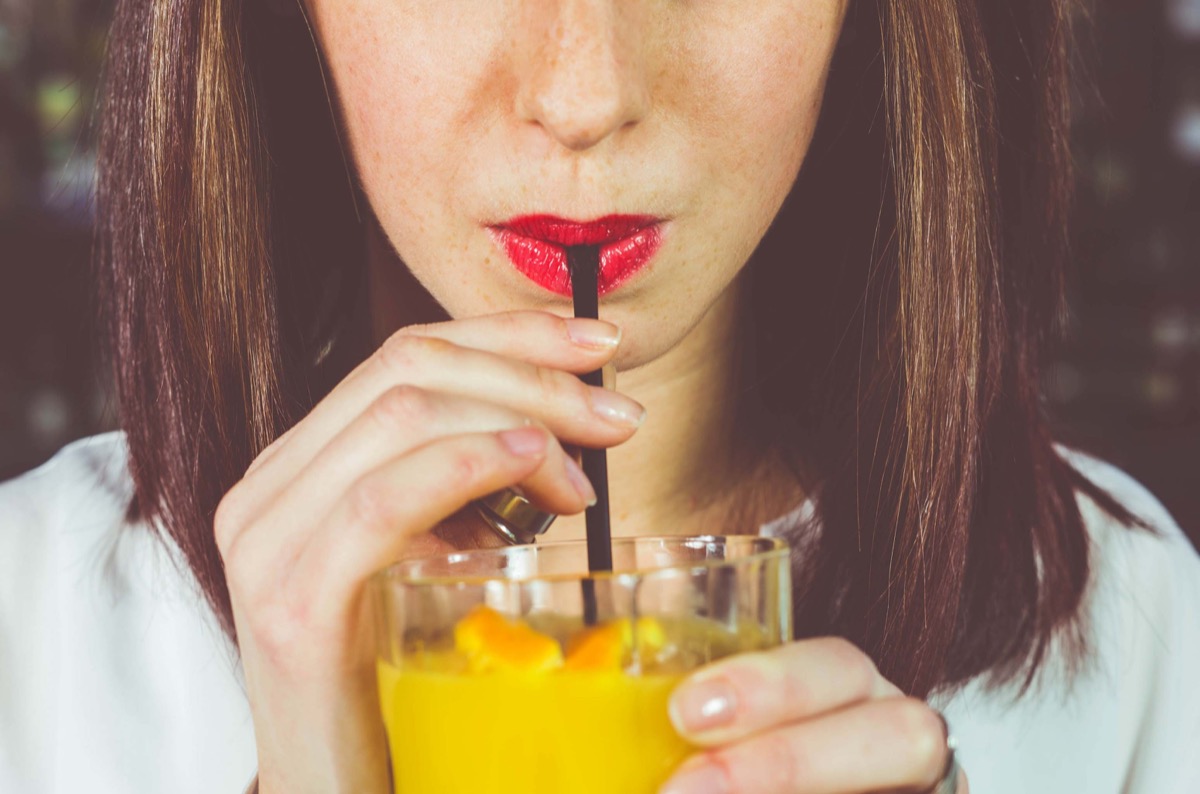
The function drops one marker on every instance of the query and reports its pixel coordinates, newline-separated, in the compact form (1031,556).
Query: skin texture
(700,112)
(464,113)
(580,109)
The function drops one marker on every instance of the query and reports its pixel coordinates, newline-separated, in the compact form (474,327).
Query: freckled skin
(462,113)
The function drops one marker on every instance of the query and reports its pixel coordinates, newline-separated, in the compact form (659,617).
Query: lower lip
(545,264)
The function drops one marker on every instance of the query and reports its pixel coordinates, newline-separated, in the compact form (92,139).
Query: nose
(582,70)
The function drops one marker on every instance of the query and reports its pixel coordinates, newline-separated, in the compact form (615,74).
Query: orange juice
(513,711)
(505,733)
(476,701)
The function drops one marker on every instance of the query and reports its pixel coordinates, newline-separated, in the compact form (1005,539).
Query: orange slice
(600,647)
(491,642)
(607,647)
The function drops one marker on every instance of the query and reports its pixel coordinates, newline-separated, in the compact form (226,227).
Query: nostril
(583,117)
(582,88)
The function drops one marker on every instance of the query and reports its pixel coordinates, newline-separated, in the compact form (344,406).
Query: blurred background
(1127,385)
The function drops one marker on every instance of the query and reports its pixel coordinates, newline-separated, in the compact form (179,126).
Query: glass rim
(775,547)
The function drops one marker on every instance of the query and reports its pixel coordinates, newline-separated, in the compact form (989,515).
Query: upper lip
(562,231)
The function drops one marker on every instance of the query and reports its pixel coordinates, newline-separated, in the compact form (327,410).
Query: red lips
(536,245)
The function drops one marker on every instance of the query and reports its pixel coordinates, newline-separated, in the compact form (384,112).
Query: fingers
(402,419)
(317,573)
(439,416)
(747,694)
(577,413)
(559,340)
(371,524)
(893,744)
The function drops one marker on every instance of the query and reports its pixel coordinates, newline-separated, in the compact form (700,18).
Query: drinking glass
(516,670)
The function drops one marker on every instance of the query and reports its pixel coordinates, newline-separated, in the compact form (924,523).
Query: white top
(114,678)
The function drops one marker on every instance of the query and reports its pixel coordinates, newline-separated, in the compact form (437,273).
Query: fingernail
(596,334)
(700,778)
(617,408)
(525,442)
(702,706)
(580,481)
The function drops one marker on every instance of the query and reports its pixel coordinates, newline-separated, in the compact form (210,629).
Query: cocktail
(496,678)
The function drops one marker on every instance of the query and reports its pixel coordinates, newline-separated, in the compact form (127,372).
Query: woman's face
(469,121)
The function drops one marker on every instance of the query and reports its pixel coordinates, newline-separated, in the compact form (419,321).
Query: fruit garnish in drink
(491,642)
(609,645)
(600,647)
(530,700)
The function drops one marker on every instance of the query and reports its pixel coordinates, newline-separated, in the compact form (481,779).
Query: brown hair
(919,257)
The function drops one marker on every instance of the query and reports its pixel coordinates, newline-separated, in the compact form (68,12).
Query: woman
(335,305)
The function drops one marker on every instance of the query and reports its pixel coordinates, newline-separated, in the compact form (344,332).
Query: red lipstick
(537,247)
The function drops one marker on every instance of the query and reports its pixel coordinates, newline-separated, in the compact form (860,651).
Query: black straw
(584,263)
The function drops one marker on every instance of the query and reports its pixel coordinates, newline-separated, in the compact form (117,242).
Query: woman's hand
(812,717)
(439,416)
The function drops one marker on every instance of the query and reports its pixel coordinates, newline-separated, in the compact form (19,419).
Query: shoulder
(64,518)
(122,681)
(77,500)
(1127,722)
(1145,582)
(89,474)
(1143,618)
(1126,491)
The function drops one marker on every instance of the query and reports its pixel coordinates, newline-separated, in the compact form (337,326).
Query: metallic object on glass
(513,518)
(509,513)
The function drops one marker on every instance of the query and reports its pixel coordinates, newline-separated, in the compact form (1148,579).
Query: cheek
(756,94)
(355,52)
(395,90)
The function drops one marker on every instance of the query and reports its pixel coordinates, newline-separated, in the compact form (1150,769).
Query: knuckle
(553,386)
(549,326)
(549,388)
(510,324)
(396,354)
(794,693)
(416,329)
(859,671)
(771,762)
(265,454)
(728,765)
(919,731)
(279,625)
(533,324)
(370,504)
(402,407)
(228,519)
(403,353)
(240,575)
(467,465)
(781,761)
(276,443)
